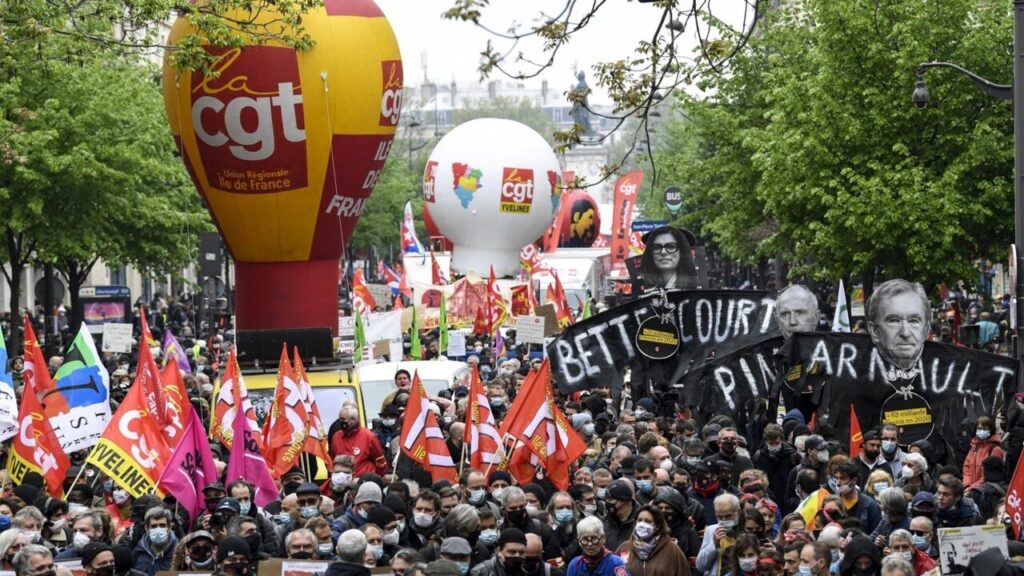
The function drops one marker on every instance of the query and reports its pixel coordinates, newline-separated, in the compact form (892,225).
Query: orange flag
(316,436)
(225,406)
(856,439)
(35,368)
(362,299)
(556,296)
(496,308)
(479,325)
(421,438)
(287,423)
(35,448)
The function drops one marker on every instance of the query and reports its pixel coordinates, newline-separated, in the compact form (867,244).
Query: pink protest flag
(190,468)
(247,462)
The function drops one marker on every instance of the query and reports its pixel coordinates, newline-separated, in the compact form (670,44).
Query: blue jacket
(146,560)
(610,565)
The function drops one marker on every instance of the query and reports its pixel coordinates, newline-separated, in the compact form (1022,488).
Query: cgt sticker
(391,95)
(516,190)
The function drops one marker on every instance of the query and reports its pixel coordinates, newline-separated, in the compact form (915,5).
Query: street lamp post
(1014,91)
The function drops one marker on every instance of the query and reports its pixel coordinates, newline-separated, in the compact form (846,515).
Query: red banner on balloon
(626,189)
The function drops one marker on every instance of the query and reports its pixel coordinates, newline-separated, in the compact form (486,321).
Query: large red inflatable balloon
(286,147)
(581,220)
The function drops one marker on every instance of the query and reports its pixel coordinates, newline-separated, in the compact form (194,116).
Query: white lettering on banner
(382,151)
(345,206)
(391,104)
(847,354)
(371,179)
(518,191)
(140,451)
(286,101)
(721,373)
(759,383)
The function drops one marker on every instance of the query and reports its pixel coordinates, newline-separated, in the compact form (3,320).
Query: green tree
(810,146)
(92,173)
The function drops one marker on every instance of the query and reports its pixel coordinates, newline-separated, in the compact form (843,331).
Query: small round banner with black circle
(657,339)
(911,413)
(673,199)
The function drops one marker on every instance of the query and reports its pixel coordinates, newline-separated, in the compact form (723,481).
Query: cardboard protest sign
(958,545)
(710,323)
(279,567)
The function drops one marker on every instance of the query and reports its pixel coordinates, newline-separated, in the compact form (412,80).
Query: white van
(376,381)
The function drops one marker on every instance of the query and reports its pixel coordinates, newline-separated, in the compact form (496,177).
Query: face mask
(283,518)
(590,509)
(805,570)
(478,349)
(845,490)
(860,572)
(79,540)
(693,460)
(120,496)
(832,484)
(871,455)
(643,530)
(476,497)
(308,512)
(244,507)
(588,429)
(325,549)
(836,556)
(920,542)
(682,488)
(340,479)
(517,517)
(748,564)
(513,564)
(563,516)
(532,509)
(983,434)
(880,487)
(76,508)
(727,524)
(822,455)
(201,561)
(378,552)
(389,422)
(31,535)
(159,536)
(495,401)
(774,449)
(463,568)
(601,493)
(644,486)
(108,486)
(422,520)
(241,568)
(497,492)
(907,472)
(302,556)
(888,446)
(401,526)
(58,525)
(728,448)
(362,513)
(489,537)
(391,538)
(908,556)
(290,487)
(105,571)
(254,541)
(666,465)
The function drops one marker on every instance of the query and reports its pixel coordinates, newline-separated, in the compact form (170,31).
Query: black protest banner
(734,384)
(927,400)
(594,352)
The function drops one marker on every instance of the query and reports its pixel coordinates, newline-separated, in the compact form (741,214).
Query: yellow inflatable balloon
(285,147)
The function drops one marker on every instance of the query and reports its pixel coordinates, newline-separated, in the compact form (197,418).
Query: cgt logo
(516,190)
(429,177)
(235,112)
(391,96)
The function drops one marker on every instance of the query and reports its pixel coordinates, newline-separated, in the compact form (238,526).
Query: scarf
(645,549)
(705,490)
(950,517)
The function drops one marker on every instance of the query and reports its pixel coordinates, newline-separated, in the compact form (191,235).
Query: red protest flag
(436,276)
(34,368)
(556,296)
(35,448)
(856,438)
(496,308)
(1014,495)
(362,300)
(479,325)
(481,432)
(316,435)
(421,438)
(231,395)
(284,432)
(177,404)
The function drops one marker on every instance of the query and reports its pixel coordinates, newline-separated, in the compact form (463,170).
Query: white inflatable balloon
(492,187)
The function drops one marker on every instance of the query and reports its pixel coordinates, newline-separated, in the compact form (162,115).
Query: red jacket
(364,448)
(922,562)
(980,449)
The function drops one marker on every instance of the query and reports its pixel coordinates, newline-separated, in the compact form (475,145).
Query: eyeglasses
(669,248)
(590,540)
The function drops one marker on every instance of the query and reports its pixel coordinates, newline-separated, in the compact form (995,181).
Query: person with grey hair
(796,310)
(595,556)
(896,566)
(899,320)
(351,551)
(914,475)
(155,551)
(33,560)
(894,504)
(718,538)
(351,438)
(300,544)
(88,527)
(901,544)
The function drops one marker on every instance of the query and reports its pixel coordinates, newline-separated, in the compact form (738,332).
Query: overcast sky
(451,50)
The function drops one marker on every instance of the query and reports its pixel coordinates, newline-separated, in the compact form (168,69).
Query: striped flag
(841,320)
(421,438)
(481,432)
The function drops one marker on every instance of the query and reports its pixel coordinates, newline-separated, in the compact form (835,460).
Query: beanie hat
(368,492)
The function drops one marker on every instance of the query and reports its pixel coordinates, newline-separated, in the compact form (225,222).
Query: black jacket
(347,569)
(777,466)
(857,547)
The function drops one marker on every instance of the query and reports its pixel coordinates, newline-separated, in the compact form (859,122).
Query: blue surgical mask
(693,460)
(805,570)
(588,429)
(832,484)
(159,536)
(983,434)
(644,485)
(463,568)
(563,516)
(308,512)
(601,493)
(363,513)
(888,446)
(836,556)
(488,537)
(378,552)
(244,507)
(325,549)
(920,542)
(283,518)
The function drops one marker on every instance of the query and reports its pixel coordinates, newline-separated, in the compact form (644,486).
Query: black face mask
(517,517)
(532,566)
(728,447)
(513,566)
(290,487)
(240,569)
(302,555)
(105,571)
(871,455)
(254,541)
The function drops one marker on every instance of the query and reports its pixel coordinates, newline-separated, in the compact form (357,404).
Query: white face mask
(340,479)
(391,538)
(80,540)
(422,520)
